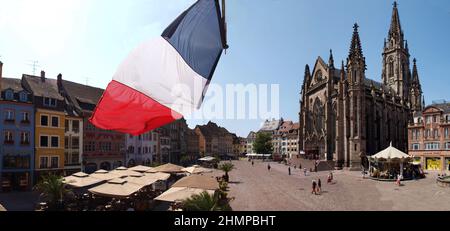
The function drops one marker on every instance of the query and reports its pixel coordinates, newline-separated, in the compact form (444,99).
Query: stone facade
(345,116)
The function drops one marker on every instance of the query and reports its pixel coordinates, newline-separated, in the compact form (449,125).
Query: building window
(434,119)
(43,162)
(428,121)
(49,102)
(43,141)
(432,146)
(9,116)
(89,146)
(436,133)
(44,120)
(66,142)
(24,138)
(55,141)
(16,162)
(415,146)
(25,117)
(54,162)
(55,121)
(76,126)
(75,143)
(23,97)
(446,132)
(9,137)
(447,146)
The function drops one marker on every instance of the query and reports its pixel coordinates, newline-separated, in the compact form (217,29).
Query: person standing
(304,171)
(319,186)
(253,163)
(300,166)
(268,167)
(289,169)
(314,185)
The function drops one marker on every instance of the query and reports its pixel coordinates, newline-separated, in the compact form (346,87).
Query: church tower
(356,69)
(416,90)
(396,72)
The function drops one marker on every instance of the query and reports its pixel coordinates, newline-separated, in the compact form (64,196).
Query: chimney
(43,76)
(59,81)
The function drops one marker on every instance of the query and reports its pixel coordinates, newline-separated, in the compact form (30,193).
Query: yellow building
(49,140)
(49,124)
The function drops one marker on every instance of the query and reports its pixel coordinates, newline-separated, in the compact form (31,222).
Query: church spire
(307,78)
(331,60)
(395,31)
(415,74)
(355,47)
(342,71)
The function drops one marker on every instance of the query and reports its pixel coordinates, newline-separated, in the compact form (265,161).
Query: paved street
(254,188)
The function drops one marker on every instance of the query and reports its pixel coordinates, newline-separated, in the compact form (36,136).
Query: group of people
(316,187)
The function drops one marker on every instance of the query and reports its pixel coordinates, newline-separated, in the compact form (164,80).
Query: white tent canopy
(391,153)
(207,158)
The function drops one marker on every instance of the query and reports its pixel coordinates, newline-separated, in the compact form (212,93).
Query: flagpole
(224,22)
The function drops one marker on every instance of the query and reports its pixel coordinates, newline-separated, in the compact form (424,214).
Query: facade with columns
(345,116)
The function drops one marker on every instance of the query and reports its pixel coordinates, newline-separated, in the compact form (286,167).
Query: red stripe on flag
(127,110)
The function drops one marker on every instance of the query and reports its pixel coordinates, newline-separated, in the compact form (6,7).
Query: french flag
(167,77)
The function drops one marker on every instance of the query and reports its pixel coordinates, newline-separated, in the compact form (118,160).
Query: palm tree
(52,188)
(226,167)
(204,202)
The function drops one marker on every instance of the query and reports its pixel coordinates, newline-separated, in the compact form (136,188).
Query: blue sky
(271,40)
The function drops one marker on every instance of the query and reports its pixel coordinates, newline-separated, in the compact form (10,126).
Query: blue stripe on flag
(196,35)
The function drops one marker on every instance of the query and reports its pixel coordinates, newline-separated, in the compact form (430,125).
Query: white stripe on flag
(156,69)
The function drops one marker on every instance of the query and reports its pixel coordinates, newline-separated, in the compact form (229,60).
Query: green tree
(226,167)
(53,190)
(263,144)
(205,202)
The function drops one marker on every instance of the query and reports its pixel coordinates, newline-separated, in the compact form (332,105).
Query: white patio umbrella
(104,175)
(81,180)
(2,209)
(176,194)
(140,168)
(197,169)
(116,188)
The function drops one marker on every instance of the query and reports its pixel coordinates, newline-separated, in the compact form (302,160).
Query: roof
(82,96)
(445,107)
(271,125)
(10,83)
(46,88)
(391,153)
(212,129)
(117,188)
(169,168)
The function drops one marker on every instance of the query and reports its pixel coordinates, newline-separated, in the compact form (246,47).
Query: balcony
(25,122)
(9,142)
(10,121)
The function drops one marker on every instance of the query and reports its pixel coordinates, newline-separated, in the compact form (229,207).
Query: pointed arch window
(391,67)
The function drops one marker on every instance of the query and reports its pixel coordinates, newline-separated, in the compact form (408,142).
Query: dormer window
(49,102)
(23,97)
(9,95)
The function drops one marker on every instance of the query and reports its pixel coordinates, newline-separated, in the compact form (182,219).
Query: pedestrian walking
(304,171)
(253,163)
(330,178)
(295,166)
(268,167)
(314,185)
(319,186)
(399,179)
(289,169)
(300,166)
